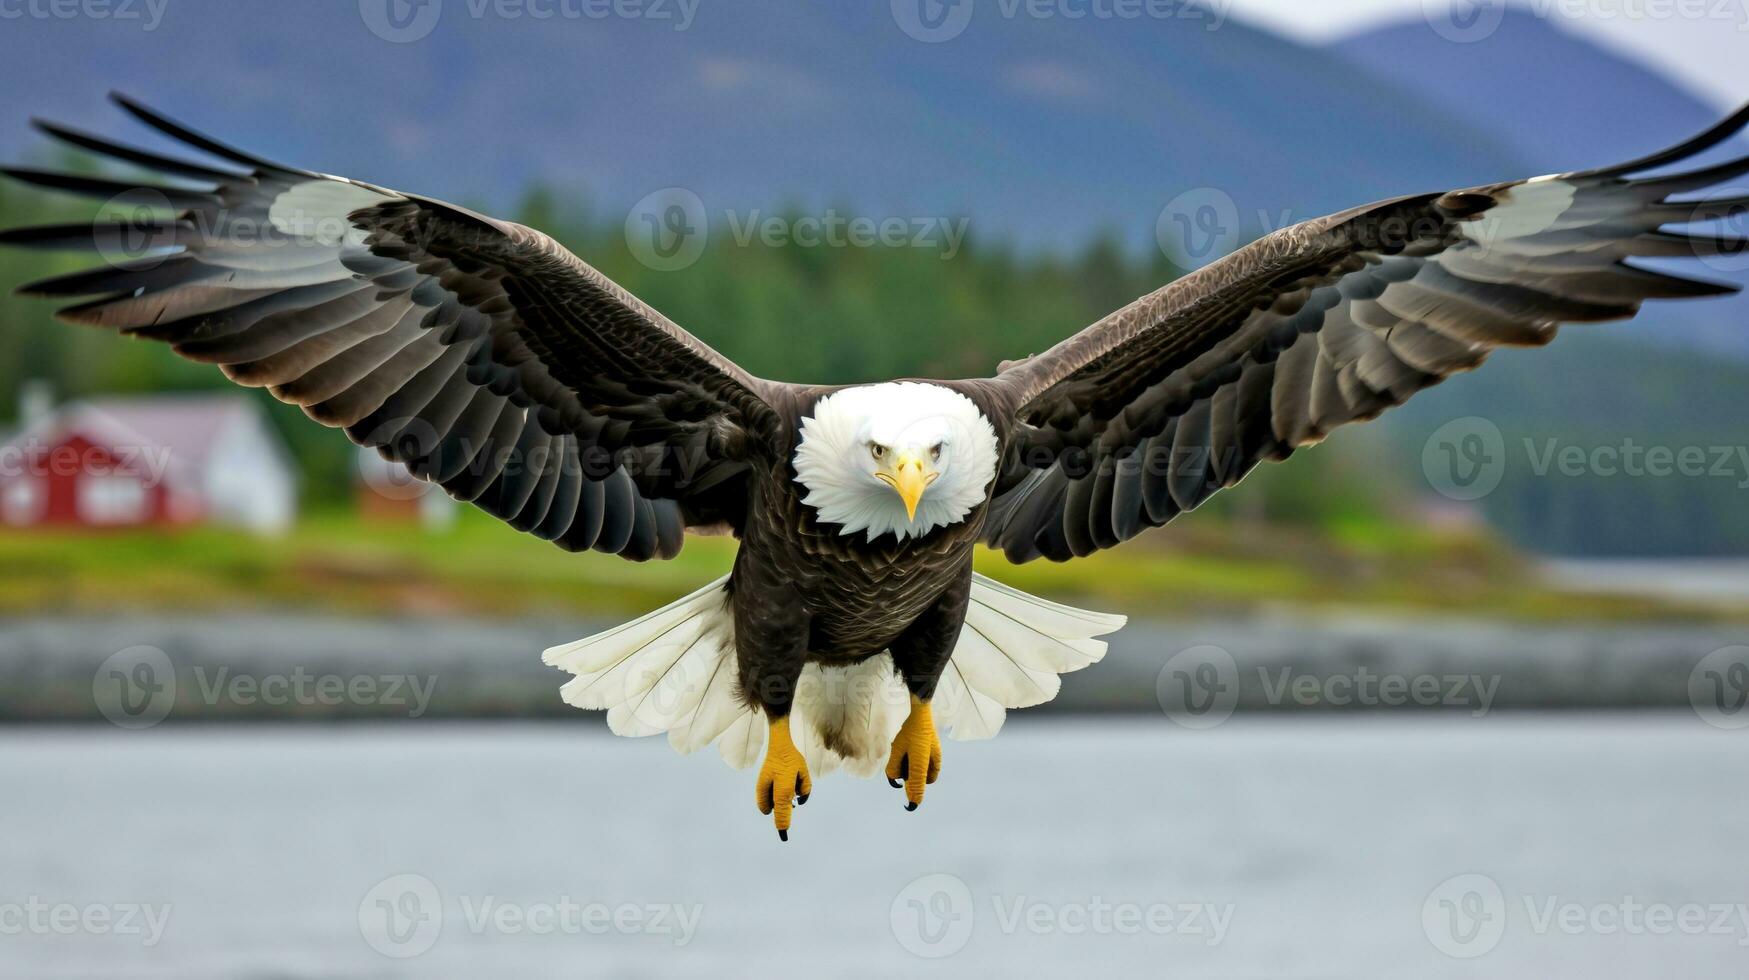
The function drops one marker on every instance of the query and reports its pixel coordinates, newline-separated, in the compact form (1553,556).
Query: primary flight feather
(495,363)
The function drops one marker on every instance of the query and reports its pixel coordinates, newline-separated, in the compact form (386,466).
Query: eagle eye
(877,450)
(935,451)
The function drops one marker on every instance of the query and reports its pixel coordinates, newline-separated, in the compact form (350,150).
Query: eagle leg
(920,654)
(783,776)
(916,753)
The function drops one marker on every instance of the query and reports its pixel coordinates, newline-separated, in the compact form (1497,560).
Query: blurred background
(1464,689)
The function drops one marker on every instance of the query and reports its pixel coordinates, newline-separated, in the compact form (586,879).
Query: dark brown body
(802,591)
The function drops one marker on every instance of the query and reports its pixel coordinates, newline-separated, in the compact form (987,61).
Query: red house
(160,460)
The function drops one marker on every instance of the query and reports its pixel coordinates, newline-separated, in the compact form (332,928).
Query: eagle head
(904,457)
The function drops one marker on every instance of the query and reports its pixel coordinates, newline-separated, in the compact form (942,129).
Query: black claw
(783,835)
(909,807)
(894,783)
(801,799)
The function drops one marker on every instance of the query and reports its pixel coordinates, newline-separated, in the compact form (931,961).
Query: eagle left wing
(478,352)
(1146,413)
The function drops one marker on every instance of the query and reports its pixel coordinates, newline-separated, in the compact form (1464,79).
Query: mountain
(1559,102)
(1043,130)
(1556,99)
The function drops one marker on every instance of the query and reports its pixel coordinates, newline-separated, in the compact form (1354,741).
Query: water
(1318,841)
(1704,580)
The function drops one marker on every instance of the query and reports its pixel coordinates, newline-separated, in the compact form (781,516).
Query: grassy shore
(336,563)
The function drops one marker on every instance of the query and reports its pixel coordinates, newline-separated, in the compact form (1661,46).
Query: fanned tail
(674,671)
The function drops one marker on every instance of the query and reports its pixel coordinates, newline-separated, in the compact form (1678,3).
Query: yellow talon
(916,741)
(783,776)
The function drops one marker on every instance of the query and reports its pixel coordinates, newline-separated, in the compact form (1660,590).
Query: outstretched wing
(478,352)
(1146,413)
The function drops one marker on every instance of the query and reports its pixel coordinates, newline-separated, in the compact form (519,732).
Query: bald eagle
(496,364)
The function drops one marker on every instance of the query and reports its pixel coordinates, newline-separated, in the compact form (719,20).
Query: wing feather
(1144,414)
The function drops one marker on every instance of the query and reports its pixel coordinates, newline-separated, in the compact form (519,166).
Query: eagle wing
(1147,412)
(479,353)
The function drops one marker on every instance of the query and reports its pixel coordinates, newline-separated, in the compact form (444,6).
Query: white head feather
(837,460)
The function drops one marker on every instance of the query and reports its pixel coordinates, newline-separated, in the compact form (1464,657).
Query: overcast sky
(1702,43)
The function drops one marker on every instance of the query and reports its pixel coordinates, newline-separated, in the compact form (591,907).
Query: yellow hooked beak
(908,476)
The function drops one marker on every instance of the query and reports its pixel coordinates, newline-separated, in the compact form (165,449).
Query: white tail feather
(674,671)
